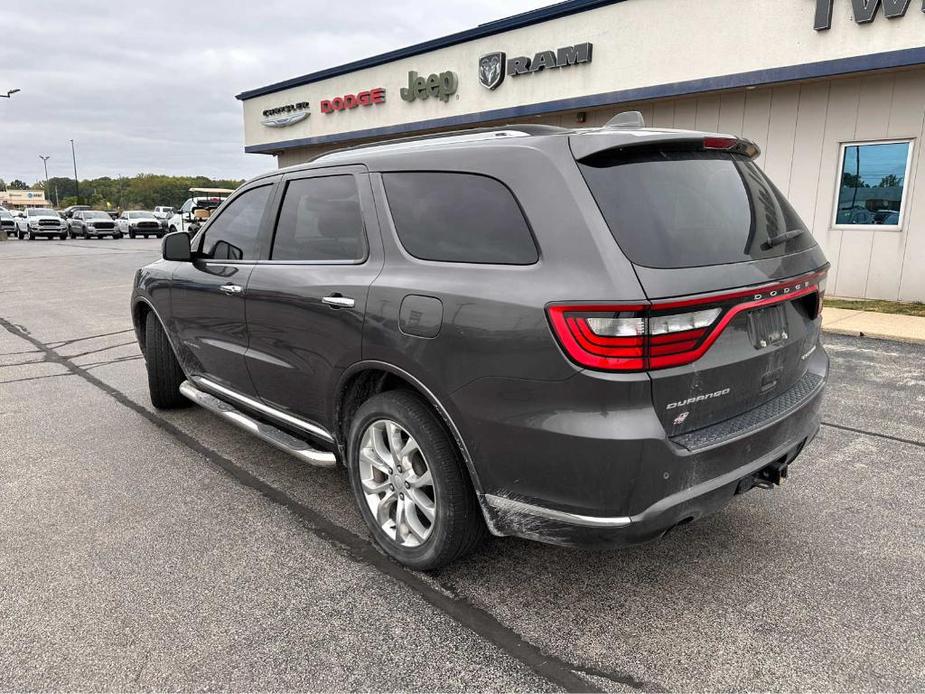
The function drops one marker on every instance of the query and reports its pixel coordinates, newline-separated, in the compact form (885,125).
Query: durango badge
(698,398)
(491,69)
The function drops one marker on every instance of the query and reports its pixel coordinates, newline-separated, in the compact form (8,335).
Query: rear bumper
(626,491)
(511,517)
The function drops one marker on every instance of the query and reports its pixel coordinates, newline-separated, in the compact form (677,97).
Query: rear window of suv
(670,209)
(459,218)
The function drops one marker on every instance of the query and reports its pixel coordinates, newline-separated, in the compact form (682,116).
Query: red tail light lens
(658,335)
(609,338)
(719,142)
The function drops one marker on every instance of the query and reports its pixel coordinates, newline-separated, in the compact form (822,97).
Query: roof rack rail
(446,137)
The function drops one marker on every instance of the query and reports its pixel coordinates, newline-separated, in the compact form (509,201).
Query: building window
(872,178)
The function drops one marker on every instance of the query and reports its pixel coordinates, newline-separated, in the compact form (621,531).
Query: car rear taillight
(719,142)
(661,334)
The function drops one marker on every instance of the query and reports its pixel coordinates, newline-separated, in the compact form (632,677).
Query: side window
(459,218)
(233,234)
(320,219)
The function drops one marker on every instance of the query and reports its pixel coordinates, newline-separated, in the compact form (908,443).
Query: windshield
(669,209)
(41,211)
(5,213)
(139,215)
(95,215)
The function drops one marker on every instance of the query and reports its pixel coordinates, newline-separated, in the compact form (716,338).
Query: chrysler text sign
(281,116)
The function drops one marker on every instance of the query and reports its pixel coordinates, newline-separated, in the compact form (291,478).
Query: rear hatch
(733,278)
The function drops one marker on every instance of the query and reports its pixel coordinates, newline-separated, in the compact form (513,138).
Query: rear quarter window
(459,218)
(669,209)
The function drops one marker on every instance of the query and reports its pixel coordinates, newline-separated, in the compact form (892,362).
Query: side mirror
(176,246)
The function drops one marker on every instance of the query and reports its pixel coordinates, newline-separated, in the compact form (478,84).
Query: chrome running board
(269,433)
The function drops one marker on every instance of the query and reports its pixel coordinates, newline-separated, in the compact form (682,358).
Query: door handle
(231,289)
(338,301)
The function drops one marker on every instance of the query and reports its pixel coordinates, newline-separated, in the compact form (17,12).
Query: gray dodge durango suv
(576,336)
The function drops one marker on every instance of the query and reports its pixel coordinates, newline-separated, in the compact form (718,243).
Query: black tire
(131,234)
(29,235)
(63,236)
(458,526)
(117,236)
(164,372)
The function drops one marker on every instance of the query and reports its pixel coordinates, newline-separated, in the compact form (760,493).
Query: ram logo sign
(864,11)
(491,69)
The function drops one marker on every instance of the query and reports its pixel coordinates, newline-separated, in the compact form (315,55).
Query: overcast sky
(149,86)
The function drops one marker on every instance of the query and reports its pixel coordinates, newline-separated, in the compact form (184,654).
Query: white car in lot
(92,223)
(197,209)
(162,212)
(140,223)
(40,221)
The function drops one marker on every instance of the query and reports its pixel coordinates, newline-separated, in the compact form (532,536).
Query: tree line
(143,191)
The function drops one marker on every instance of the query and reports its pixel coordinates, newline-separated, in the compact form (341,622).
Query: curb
(875,335)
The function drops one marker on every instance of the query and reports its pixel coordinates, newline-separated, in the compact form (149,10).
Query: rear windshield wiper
(783,237)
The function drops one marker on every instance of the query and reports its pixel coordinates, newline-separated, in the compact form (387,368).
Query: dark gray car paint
(533,426)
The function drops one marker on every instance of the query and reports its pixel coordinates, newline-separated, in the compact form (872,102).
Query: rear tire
(117,236)
(457,526)
(164,372)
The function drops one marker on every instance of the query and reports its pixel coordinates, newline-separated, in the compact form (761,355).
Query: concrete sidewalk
(889,326)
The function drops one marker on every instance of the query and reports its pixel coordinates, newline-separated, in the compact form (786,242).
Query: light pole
(76,182)
(45,158)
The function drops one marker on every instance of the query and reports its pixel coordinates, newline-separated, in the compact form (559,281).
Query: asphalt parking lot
(141,550)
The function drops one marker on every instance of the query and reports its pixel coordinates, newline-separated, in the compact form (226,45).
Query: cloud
(149,87)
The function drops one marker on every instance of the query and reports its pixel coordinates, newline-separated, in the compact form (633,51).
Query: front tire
(164,372)
(410,482)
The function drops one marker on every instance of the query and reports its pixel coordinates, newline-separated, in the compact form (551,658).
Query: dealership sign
(349,101)
(281,116)
(864,11)
(439,86)
(493,66)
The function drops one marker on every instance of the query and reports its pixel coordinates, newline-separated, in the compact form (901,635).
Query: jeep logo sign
(440,86)
(864,11)
(544,60)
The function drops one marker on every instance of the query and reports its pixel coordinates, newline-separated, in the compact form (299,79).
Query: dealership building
(832,91)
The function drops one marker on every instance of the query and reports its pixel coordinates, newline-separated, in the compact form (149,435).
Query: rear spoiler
(591,142)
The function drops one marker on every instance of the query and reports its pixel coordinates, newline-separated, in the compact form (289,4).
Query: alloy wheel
(397,483)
